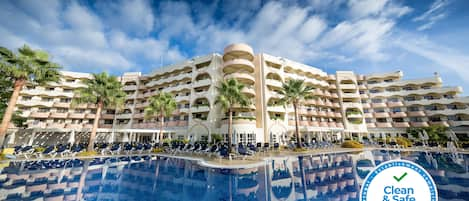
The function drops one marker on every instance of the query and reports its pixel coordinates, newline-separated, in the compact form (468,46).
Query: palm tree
(103,90)
(294,92)
(229,94)
(27,66)
(161,105)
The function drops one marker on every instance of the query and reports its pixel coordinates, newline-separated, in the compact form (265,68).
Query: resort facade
(346,104)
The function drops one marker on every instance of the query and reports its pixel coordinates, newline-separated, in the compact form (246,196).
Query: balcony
(304,123)
(381,114)
(241,120)
(180,99)
(276,108)
(37,125)
(238,64)
(274,83)
(107,116)
(371,125)
(124,116)
(90,116)
(202,83)
(238,51)
(459,123)
(249,91)
(366,105)
(31,103)
(419,124)
(383,125)
(378,105)
(395,104)
(332,124)
(331,114)
(76,115)
(335,105)
(338,115)
(183,110)
(201,108)
(348,86)
(58,115)
(339,125)
(350,95)
(318,92)
(241,76)
(401,124)
(183,123)
(129,88)
(416,114)
(39,115)
(105,126)
(56,125)
(313,124)
(139,116)
(441,90)
(439,123)
(73,126)
(61,105)
(363,96)
(447,112)
(368,115)
(323,124)
(398,114)
(322,113)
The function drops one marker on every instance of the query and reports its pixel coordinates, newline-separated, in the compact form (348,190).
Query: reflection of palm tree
(302,174)
(81,185)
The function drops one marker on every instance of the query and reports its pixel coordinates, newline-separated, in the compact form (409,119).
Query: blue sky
(418,37)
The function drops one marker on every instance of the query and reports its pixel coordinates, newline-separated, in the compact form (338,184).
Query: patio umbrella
(71,139)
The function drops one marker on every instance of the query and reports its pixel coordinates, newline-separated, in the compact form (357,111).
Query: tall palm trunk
(297,128)
(95,127)
(230,129)
(10,109)
(161,128)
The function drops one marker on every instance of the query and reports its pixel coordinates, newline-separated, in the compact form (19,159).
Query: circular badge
(398,180)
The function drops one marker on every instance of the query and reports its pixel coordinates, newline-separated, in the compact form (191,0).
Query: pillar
(33,135)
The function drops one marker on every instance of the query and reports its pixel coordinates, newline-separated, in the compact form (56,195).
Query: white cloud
(363,8)
(131,16)
(88,60)
(80,18)
(435,13)
(446,57)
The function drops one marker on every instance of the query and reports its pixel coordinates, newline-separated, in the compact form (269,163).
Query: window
(26,98)
(379,110)
(108,121)
(396,109)
(373,91)
(381,120)
(50,89)
(410,98)
(47,99)
(67,90)
(65,100)
(30,87)
(70,80)
(388,80)
(62,110)
(413,108)
(398,119)
(43,109)
(79,111)
(376,100)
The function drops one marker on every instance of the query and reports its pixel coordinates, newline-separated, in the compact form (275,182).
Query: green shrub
(216,138)
(296,149)
(352,144)
(403,142)
(158,150)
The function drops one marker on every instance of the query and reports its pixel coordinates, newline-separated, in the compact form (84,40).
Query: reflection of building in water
(320,177)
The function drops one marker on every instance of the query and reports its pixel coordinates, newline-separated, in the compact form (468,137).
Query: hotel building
(345,104)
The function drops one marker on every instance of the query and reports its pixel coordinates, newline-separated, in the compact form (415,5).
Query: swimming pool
(313,177)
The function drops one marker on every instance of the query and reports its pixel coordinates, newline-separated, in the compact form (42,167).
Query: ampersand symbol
(385,198)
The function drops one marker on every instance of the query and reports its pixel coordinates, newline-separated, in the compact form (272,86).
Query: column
(33,135)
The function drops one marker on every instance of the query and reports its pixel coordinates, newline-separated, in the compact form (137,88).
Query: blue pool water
(319,177)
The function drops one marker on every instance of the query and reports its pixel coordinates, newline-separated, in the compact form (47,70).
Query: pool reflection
(321,177)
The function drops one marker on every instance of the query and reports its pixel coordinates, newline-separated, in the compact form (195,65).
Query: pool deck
(238,161)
